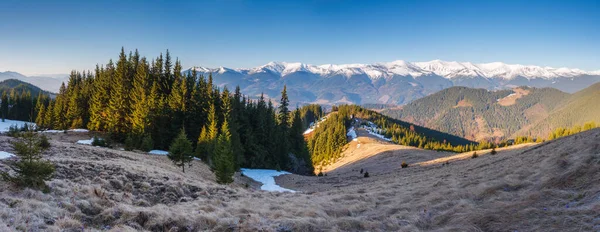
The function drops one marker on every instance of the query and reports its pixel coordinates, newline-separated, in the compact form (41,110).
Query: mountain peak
(446,69)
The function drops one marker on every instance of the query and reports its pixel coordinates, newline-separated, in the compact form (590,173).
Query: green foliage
(562,132)
(180,151)
(482,106)
(100,142)
(44,142)
(147,143)
(156,99)
(30,170)
(224,167)
(130,143)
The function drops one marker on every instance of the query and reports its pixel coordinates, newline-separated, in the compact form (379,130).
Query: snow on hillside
(158,152)
(375,131)
(267,178)
(314,125)
(4,126)
(6,155)
(352,134)
(86,141)
(447,69)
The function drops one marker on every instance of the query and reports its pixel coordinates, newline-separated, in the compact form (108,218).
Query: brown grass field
(553,186)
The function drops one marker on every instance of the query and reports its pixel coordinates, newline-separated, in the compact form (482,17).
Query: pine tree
(4,105)
(224,168)
(180,151)
(118,107)
(203,145)
(140,110)
(31,170)
(212,135)
(100,97)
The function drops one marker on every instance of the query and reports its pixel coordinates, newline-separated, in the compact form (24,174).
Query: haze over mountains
(397,82)
(46,82)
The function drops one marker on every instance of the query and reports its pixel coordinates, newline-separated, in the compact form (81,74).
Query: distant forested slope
(479,114)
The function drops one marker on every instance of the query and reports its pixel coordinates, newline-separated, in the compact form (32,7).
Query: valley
(98,189)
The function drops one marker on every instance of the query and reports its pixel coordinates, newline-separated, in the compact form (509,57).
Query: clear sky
(46,37)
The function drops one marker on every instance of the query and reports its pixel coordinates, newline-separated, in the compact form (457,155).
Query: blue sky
(45,37)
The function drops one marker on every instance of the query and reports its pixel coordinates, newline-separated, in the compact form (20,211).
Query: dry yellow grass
(553,186)
(512,99)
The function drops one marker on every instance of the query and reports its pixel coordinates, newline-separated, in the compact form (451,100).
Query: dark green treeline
(135,99)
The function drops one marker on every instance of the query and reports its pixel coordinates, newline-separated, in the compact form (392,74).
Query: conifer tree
(140,110)
(118,103)
(180,151)
(4,105)
(212,135)
(31,170)
(203,145)
(224,167)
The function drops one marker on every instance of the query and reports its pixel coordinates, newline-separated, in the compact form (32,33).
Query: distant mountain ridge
(49,83)
(397,82)
(479,114)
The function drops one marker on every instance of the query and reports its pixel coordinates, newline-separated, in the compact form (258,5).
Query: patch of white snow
(266,177)
(158,152)
(6,155)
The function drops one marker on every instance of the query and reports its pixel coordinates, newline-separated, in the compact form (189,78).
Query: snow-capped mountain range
(447,69)
(397,82)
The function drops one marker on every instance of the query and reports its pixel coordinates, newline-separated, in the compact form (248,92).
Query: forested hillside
(326,146)
(140,102)
(479,114)
(579,108)
(19,99)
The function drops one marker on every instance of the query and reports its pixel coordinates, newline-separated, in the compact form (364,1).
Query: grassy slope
(525,189)
(579,108)
(475,113)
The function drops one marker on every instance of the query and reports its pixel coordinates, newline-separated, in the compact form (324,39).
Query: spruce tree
(140,110)
(4,105)
(213,131)
(118,107)
(203,145)
(31,171)
(180,151)
(224,168)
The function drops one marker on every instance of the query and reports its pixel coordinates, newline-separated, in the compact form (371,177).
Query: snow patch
(375,131)
(352,134)
(86,142)
(4,126)
(314,125)
(5,155)
(158,152)
(266,177)
(62,131)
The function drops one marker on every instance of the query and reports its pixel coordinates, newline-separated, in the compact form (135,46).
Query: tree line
(141,101)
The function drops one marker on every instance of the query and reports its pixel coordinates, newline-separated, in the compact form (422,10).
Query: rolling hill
(20,86)
(481,114)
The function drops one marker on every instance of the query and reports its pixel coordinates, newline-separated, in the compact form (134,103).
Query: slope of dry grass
(553,186)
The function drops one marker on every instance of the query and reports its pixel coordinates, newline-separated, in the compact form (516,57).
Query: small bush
(474,155)
(361,171)
(493,152)
(147,143)
(130,143)
(31,171)
(366,174)
(404,165)
(44,142)
(320,174)
(99,142)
